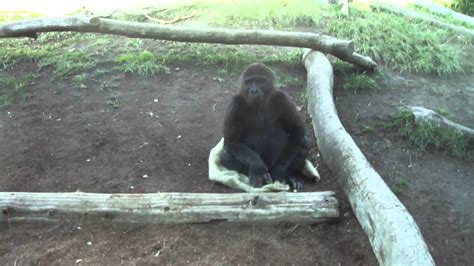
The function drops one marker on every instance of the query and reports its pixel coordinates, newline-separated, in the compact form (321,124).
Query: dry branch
(393,234)
(342,49)
(425,114)
(172,207)
(415,15)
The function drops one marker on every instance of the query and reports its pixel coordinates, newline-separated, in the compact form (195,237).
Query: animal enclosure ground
(117,132)
(106,134)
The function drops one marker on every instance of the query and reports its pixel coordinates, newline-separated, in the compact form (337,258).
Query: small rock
(132,187)
(89,243)
(145,176)
(78,261)
(155,100)
(178,137)
(88,160)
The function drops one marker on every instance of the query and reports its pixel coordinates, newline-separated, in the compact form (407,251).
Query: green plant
(113,102)
(359,82)
(14,90)
(67,63)
(407,46)
(442,111)
(267,13)
(341,67)
(368,129)
(142,63)
(427,134)
(78,80)
(399,186)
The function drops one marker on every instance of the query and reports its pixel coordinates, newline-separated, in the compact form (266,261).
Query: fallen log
(392,232)
(343,49)
(425,114)
(171,207)
(415,15)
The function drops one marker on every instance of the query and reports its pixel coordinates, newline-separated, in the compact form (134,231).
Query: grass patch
(11,16)
(112,102)
(13,52)
(368,129)
(359,82)
(67,63)
(426,134)
(406,46)
(268,13)
(14,90)
(228,59)
(142,63)
(245,13)
(50,49)
(399,186)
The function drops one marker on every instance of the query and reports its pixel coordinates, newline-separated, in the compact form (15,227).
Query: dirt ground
(69,139)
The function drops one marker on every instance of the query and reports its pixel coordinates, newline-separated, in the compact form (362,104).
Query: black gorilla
(264,136)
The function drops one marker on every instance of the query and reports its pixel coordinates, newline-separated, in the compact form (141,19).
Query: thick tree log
(172,207)
(342,49)
(393,234)
(425,114)
(415,15)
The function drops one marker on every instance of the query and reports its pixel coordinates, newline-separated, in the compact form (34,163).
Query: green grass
(50,49)
(15,51)
(399,186)
(12,16)
(112,102)
(442,111)
(68,63)
(359,82)
(228,59)
(401,44)
(426,134)
(368,129)
(268,13)
(404,45)
(14,90)
(142,63)
(245,13)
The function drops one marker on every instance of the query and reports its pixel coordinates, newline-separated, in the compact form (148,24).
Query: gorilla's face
(256,90)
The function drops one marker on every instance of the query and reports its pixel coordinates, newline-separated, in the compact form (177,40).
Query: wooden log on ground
(392,232)
(425,114)
(309,207)
(415,15)
(343,49)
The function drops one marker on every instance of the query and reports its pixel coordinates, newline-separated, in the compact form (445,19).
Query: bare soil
(67,139)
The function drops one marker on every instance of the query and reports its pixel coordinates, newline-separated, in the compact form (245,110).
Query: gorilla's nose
(254,89)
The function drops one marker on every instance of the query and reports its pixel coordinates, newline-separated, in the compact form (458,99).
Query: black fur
(264,136)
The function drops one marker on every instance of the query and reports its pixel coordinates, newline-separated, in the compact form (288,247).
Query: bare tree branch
(342,49)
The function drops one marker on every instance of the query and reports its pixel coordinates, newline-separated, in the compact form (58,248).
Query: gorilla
(264,136)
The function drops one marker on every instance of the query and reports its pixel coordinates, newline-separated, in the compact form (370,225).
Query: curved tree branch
(342,49)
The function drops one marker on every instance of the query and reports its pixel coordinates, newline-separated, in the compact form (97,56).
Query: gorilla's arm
(284,112)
